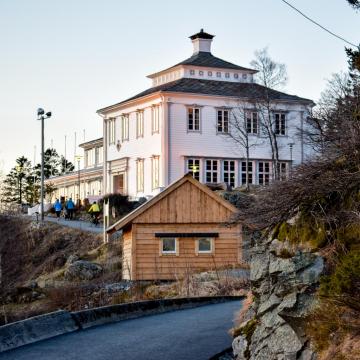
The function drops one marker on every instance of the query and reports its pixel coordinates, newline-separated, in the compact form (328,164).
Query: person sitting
(94,211)
(70,207)
(58,208)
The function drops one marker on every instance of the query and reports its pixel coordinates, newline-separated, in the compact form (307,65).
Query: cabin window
(222,121)
(229,172)
(280,124)
(243,172)
(155,119)
(264,172)
(252,123)
(193,119)
(140,124)
(211,171)
(140,175)
(125,127)
(193,166)
(155,172)
(168,245)
(205,245)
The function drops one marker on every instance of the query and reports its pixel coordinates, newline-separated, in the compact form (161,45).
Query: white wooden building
(181,124)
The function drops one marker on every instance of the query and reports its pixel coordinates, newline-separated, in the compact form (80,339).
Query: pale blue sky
(75,56)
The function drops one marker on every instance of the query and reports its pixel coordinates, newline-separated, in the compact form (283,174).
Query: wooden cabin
(183,229)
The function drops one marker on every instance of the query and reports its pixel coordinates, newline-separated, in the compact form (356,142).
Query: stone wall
(283,282)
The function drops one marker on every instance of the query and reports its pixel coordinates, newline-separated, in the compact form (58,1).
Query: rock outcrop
(82,270)
(283,281)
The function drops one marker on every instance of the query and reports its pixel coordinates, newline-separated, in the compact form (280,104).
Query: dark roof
(213,87)
(201,35)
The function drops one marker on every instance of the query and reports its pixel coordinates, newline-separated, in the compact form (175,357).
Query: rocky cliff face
(283,281)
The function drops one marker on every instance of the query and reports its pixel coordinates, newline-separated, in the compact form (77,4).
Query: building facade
(183,123)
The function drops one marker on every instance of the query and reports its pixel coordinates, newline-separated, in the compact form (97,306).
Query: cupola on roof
(201,35)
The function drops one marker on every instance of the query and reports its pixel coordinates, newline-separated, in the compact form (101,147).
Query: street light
(42,116)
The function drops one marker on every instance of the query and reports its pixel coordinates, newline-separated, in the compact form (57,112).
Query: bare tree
(272,76)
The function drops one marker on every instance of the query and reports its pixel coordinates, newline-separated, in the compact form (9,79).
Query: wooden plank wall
(151,266)
(126,255)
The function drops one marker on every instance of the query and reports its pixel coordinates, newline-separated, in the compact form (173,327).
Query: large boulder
(82,270)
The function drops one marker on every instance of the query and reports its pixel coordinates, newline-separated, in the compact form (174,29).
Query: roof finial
(201,30)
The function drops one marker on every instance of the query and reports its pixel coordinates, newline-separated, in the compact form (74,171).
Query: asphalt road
(76,224)
(194,334)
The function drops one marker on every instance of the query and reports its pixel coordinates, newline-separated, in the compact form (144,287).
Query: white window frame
(155,172)
(213,173)
(197,246)
(139,124)
(243,172)
(140,175)
(283,170)
(155,119)
(192,111)
(112,131)
(230,174)
(280,123)
(221,124)
(252,123)
(196,174)
(262,173)
(125,127)
(172,252)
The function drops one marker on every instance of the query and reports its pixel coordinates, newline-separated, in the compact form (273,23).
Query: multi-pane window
(90,157)
(211,171)
(252,123)
(99,155)
(140,124)
(193,119)
(222,121)
(155,119)
(124,127)
(204,245)
(280,123)
(155,172)
(140,175)
(168,245)
(282,170)
(229,172)
(264,172)
(193,166)
(243,172)
(112,131)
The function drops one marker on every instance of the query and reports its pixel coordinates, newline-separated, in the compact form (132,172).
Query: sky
(73,57)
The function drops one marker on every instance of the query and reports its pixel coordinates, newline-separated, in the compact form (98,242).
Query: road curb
(60,322)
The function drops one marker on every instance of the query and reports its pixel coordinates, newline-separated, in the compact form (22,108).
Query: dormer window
(209,73)
(227,75)
(201,73)
(192,72)
(236,76)
(218,74)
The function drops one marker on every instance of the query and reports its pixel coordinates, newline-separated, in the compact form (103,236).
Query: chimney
(202,42)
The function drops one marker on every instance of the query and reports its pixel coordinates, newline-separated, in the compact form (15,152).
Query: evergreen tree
(66,166)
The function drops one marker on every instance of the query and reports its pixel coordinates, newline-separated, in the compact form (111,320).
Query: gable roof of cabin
(213,87)
(128,219)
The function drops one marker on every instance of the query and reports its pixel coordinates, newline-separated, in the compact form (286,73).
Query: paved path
(76,224)
(193,334)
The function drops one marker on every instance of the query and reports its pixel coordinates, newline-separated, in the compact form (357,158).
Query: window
(236,76)
(99,155)
(140,175)
(192,72)
(227,75)
(155,172)
(252,124)
(193,166)
(204,245)
(264,172)
(168,246)
(125,127)
(223,121)
(140,124)
(218,74)
(244,76)
(90,157)
(243,172)
(211,174)
(209,73)
(201,73)
(111,131)
(282,170)
(229,172)
(155,119)
(193,119)
(280,124)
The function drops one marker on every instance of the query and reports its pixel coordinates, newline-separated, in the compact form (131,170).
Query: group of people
(70,208)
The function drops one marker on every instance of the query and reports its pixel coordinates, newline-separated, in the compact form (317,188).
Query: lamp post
(78,158)
(42,116)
